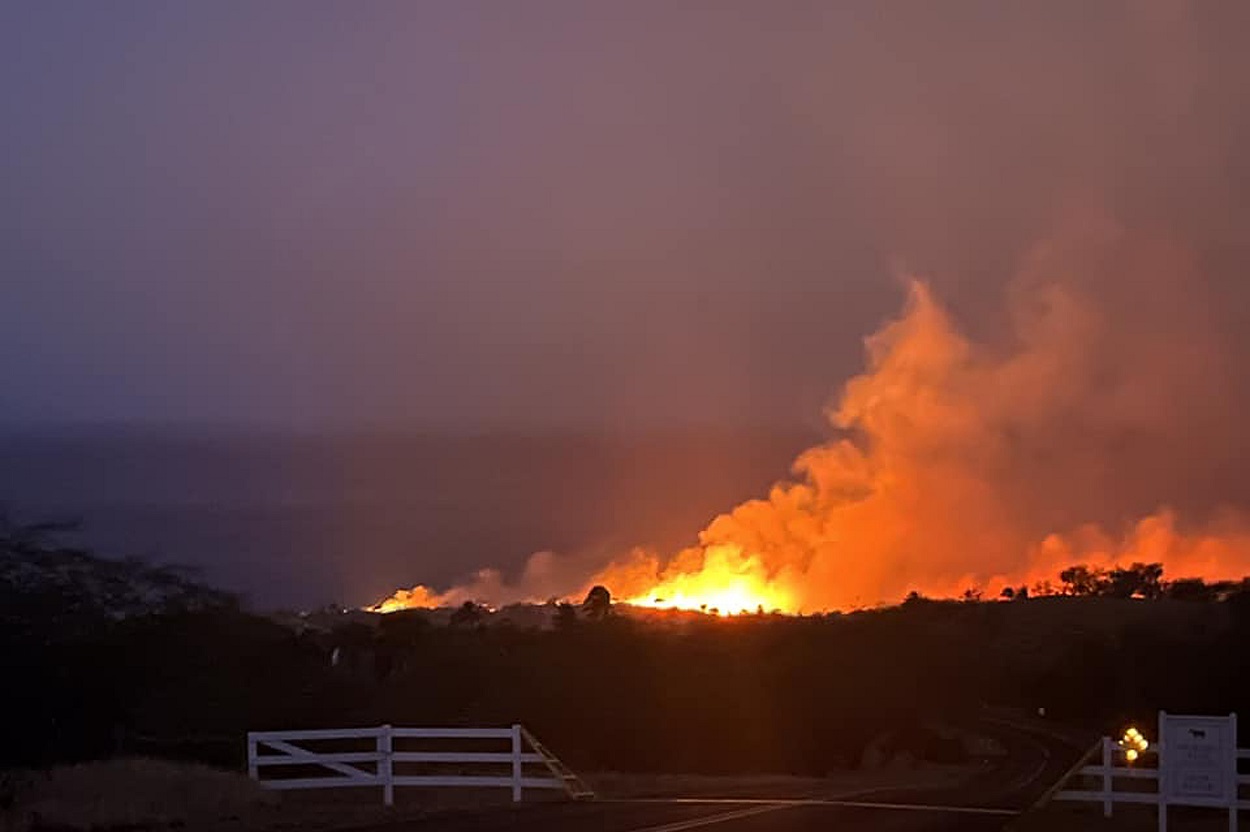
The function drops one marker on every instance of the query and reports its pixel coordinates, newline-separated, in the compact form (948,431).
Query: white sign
(1199,765)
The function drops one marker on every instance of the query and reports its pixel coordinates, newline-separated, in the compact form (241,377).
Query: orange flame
(729,582)
(405,599)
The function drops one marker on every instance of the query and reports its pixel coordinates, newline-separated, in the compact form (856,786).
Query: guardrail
(376,757)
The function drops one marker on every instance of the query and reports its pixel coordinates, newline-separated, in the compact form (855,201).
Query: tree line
(1137,580)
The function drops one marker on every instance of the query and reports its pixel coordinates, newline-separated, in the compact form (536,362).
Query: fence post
(1161,751)
(516,763)
(1106,776)
(1235,783)
(253,765)
(385,768)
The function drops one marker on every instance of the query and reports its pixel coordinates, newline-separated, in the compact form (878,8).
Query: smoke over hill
(956,463)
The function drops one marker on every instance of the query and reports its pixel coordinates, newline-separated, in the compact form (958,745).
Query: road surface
(987,801)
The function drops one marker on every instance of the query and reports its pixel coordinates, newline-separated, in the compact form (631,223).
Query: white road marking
(694,823)
(918,807)
(765,804)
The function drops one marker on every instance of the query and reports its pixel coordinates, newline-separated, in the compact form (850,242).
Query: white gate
(1196,766)
(387,757)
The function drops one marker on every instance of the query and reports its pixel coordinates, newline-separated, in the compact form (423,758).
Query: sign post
(1198,764)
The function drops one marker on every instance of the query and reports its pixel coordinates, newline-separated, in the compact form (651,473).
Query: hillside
(119,657)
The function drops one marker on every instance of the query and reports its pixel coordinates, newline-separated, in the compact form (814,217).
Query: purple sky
(542,215)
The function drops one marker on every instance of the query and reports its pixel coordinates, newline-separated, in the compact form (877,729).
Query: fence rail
(1108,772)
(333,768)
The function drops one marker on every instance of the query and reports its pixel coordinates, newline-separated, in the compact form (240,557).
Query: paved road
(1033,762)
(986,802)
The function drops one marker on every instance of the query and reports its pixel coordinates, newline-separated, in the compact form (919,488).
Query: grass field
(128,794)
(148,794)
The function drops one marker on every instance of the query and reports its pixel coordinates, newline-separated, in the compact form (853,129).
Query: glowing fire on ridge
(728,583)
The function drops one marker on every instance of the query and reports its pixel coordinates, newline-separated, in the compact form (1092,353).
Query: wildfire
(728,583)
(406,599)
(950,460)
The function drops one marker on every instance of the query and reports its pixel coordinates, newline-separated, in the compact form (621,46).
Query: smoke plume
(955,463)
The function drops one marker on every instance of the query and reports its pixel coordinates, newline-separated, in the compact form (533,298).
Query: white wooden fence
(376,757)
(1109,771)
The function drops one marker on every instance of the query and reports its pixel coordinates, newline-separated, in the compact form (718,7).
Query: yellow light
(1131,755)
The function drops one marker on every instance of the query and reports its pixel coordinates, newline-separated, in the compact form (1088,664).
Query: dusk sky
(477,215)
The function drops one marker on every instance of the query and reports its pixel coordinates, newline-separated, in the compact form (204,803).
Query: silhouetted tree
(467,615)
(1190,589)
(598,603)
(1140,580)
(50,589)
(1082,580)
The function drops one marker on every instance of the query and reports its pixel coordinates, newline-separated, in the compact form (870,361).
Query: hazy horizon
(304,521)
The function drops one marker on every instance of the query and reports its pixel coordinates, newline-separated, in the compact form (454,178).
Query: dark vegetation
(106,657)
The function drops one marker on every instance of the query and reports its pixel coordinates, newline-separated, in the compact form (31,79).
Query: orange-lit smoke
(951,458)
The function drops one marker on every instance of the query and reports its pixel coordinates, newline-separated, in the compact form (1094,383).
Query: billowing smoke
(957,463)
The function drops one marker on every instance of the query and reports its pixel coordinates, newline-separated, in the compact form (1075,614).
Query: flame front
(727,583)
(405,599)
